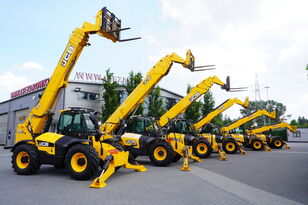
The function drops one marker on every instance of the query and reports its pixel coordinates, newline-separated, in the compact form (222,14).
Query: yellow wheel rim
(202,148)
(230,146)
(79,162)
(22,160)
(257,145)
(160,153)
(278,143)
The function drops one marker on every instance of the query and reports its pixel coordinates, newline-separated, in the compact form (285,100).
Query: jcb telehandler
(148,140)
(201,147)
(248,141)
(227,142)
(184,145)
(77,145)
(273,141)
(181,125)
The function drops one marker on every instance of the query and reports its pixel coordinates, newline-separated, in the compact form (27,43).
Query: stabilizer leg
(137,167)
(286,146)
(241,149)
(267,148)
(222,155)
(108,170)
(185,166)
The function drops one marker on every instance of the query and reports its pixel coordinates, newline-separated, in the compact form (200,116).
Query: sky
(248,40)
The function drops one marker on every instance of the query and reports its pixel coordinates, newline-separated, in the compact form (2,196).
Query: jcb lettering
(67,56)
(43,144)
(194,97)
(146,80)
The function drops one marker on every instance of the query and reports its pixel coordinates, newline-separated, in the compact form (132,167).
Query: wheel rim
(230,146)
(160,153)
(257,145)
(79,162)
(277,143)
(22,160)
(202,148)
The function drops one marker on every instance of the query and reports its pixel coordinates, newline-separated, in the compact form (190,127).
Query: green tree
(155,103)
(294,122)
(193,111)
(110,95)
(133,81)
(208,106)
(208,103)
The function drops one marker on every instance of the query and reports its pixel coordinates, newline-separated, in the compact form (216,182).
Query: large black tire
(25,159)
(277,143)
(176,157)
(161,153)
(257,145)
(202,148)
(81,161)
(230,146)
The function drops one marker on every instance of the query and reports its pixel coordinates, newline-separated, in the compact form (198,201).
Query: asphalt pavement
(277,177)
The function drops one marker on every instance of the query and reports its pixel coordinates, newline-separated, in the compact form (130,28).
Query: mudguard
(20,142)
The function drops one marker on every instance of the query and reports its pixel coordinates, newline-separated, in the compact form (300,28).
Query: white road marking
(244,191)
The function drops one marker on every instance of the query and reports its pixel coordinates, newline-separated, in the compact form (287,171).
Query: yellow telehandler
(248,141)
(141,136)
(77,144)
(273,141)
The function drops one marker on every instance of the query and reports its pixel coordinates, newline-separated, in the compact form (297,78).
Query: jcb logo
(221,107)
(146,80)
(43,144)
(131,142)
(67,56)
(194,97)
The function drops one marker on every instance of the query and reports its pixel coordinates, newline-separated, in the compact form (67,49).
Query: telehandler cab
(273,141)
(77,145)
(248,141)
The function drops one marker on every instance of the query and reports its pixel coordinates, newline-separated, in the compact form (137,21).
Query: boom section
(271,127)
(137,97)
(43,111)
(246,119)
(219,109)
(191,97)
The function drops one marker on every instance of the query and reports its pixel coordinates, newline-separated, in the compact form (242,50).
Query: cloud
(31,65)
(242,38)
(10,82)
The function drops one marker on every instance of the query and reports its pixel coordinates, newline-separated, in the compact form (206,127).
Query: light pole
(266,87)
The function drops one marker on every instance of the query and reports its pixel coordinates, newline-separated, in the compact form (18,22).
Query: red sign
(30,88)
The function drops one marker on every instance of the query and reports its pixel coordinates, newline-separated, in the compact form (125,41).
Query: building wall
(300,136)
(77,94)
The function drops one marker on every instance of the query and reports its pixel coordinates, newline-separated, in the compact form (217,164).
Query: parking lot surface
(277,177)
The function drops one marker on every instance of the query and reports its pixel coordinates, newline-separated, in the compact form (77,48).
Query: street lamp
(266,87)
